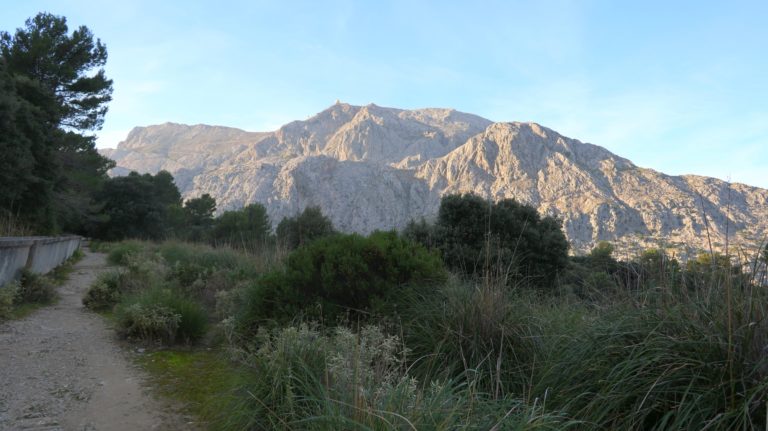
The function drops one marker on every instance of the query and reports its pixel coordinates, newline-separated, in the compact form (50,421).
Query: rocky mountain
(370,167)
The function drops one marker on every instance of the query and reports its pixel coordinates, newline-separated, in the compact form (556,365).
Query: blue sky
(680,87)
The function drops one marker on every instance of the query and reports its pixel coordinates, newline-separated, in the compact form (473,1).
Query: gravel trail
(61,368)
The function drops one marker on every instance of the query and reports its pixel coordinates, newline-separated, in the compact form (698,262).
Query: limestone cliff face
(377,168)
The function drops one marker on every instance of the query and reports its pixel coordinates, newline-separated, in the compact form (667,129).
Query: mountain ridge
(371,167)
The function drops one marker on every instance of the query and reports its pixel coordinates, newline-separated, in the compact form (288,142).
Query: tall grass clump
(119,253)
(358,380)
(672,365)
(161,315)
(487,334)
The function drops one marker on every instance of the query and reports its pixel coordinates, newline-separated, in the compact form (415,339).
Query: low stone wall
(38,254)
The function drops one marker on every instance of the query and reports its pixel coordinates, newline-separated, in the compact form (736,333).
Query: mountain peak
(372,167)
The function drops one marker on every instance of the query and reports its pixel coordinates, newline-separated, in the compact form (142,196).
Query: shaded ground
(61,369)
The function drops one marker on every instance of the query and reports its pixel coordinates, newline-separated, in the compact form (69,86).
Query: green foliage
(341,274)
(105,292)
(137,206)
(713,270)
(476,237)
(198,217)
(26,180)
(467,353)
(161,314)
(193,261)
(34,288)
(172,281)
(49,96)
(60,65)
(119,253)
(247,228)
(21,297)
(657,268)
(673,367)
(601,257)
(202,272)
(478,332)
(8,294)
(357,380)
(353,366)
(311,224)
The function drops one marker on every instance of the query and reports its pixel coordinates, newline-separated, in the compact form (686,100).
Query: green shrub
(119,252)
(8,294)
(137,206)
(304,228)
(341,274)
(247,228)
(229,302)
(190,262)
(98,246)
(201,272)
(161,314)
(35,289)
(105,292)
(149,322)
(476,237)
(197,218)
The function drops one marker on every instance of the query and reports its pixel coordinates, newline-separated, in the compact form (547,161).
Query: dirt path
(61,369)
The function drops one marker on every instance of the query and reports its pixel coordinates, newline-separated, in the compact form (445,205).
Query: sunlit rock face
(370,167)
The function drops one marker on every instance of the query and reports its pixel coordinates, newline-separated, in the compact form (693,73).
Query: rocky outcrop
(378,168)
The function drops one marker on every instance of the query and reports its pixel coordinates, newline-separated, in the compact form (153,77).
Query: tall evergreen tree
(54,92)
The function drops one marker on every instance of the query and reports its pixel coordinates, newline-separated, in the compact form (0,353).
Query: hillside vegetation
(391,331)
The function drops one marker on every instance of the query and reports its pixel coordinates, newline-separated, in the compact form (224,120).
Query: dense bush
(169,291)
(197,218)
(137,206)
(105,292)
(8,299)
(202,272)
(119,253)
(247,228)
(342,274)
(311,224)
(34,288)
(161,314)
(476,236)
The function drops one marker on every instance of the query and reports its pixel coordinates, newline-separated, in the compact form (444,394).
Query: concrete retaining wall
(38,254)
